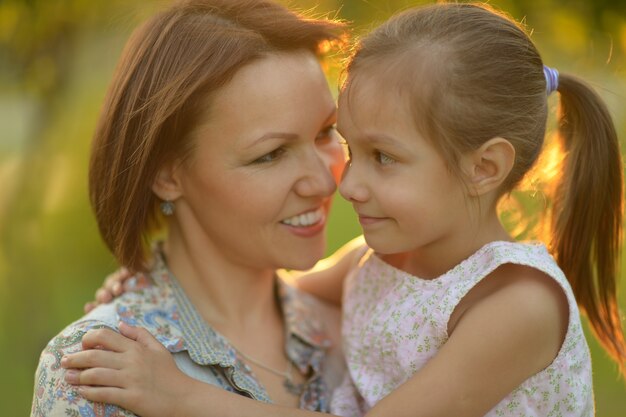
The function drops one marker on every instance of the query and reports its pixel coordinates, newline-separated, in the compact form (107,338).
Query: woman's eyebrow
(273,135)
(286,135)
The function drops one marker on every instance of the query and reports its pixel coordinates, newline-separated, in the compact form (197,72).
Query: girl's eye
(383,159)
(325,135)
(270,156)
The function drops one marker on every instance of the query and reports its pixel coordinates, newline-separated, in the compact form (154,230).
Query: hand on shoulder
(52,394)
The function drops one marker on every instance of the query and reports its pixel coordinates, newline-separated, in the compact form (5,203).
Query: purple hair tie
(552,79)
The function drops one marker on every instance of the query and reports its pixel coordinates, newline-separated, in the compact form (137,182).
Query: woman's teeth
(305,219)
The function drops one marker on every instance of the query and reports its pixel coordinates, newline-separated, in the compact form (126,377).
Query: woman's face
(258,186)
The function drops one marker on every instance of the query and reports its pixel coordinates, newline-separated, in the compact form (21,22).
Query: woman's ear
(167,185)
(487,167)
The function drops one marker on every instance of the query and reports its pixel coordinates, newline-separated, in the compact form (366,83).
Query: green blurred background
(56,59)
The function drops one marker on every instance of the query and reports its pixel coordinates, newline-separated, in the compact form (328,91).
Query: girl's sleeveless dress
(393,323)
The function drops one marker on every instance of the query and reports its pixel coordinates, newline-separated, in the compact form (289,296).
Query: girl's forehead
(414,73)
(364,93)
(401,90)
(369,100)
(376,123)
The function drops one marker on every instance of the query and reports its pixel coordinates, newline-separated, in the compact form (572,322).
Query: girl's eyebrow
(382,139)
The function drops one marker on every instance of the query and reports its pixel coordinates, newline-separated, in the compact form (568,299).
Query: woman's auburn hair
(167,72)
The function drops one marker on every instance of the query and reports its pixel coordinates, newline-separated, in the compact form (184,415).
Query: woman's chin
(305,261)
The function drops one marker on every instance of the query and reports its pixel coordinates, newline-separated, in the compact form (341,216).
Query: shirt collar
(307,337)
(306,341)
(301,315)
(204,345)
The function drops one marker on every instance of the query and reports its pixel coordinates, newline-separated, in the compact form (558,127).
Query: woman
(219,125)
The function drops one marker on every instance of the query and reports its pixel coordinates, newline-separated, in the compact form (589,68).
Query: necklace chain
(290,386)
(285,374)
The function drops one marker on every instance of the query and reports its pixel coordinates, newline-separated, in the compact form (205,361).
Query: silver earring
(167,207)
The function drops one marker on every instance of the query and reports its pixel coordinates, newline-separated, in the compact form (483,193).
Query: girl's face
(258,185)
(398,183)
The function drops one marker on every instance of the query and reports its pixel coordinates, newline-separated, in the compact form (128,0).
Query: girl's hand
(131,370)
(114,285)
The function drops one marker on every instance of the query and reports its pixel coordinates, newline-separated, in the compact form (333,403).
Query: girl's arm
(325,279)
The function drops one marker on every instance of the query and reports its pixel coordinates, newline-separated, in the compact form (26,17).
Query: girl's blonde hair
(469,74)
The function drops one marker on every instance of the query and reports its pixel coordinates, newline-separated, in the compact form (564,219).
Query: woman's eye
(270,156)
(383,159)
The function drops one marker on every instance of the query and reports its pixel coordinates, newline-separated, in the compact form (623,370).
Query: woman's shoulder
(52,395)
(69,339)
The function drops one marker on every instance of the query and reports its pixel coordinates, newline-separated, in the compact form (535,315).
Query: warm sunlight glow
(521,211)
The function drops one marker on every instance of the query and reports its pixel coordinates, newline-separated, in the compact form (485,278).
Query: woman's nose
(319,179)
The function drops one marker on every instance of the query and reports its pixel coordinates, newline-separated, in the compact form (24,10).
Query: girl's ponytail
(587,210)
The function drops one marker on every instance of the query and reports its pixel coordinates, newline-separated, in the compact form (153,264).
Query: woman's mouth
(307,224)
(305,219)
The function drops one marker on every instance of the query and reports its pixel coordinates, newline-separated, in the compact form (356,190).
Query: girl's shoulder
(523,288)
(476,266)
(493,255)
(520,275)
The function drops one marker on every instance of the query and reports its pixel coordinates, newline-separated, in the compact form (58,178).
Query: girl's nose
(352,187)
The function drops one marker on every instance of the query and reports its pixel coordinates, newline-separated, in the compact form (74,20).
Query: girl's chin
(383,247)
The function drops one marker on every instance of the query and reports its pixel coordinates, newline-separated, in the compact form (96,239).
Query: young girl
(444,111)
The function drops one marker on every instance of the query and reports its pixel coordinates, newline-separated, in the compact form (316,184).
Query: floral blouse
(159,304)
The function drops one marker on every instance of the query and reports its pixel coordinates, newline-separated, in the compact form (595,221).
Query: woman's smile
(309,223)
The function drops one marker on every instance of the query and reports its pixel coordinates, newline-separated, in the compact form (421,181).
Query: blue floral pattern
(158,303)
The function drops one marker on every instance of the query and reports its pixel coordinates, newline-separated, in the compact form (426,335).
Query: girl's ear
(167,185)
(487,167)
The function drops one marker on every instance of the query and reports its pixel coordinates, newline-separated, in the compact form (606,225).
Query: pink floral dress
(393,323)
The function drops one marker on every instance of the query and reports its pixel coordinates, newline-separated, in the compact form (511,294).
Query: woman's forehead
(284,92)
